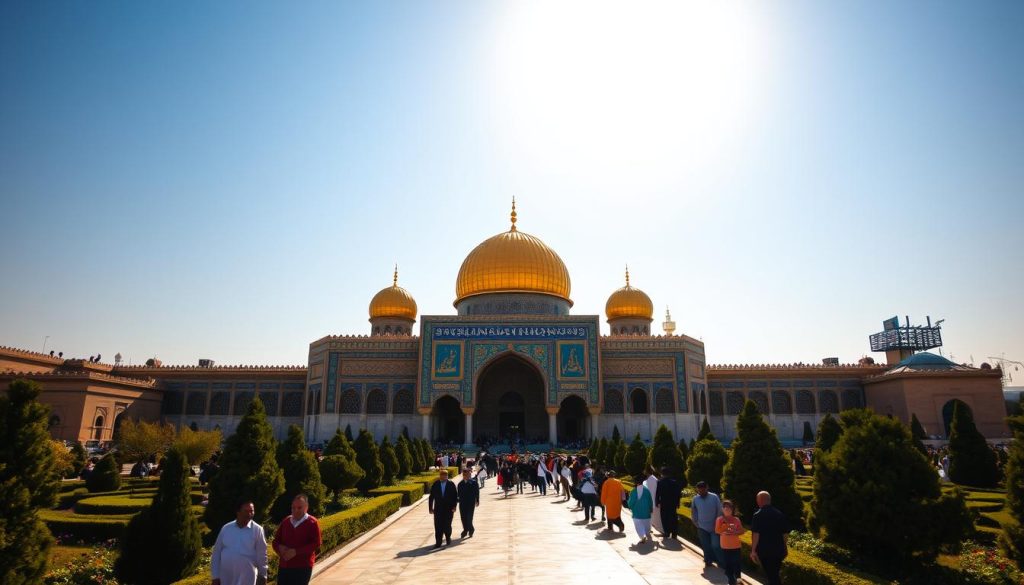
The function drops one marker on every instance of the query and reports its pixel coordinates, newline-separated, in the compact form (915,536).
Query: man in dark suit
(444,498)
(668,496)
(469,499)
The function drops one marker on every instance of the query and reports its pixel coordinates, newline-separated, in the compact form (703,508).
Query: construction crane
(1004,364)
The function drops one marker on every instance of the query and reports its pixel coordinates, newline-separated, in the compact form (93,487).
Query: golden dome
(629,302)
(513,262)
(393,301)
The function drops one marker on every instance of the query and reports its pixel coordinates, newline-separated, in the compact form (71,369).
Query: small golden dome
(513,262)
(393,301)
(629,302)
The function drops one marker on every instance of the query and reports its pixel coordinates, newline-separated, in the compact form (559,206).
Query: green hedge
(112,505)
(67,499)
(84,527)
(71,485)
(410,492)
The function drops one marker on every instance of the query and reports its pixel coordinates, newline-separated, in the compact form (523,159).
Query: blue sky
(234,180)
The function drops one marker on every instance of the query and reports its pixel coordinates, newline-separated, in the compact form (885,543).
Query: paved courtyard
(524,539)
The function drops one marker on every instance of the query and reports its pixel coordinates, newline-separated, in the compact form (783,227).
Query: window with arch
(292,405)
(173,402)
(98,427)
(804,402)
(242,400)
(350,401)
(219,403)
(760,400)
(196,403)
(402,402)
(612,401)
(828,402)
(638,401)
(734,403)
(715,403)
(781,403)
(376,402)
(851,399)
(270,401)
(663,403)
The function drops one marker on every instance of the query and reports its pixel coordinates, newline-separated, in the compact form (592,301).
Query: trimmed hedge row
(121,503)
(410,492)
(335,529)
(84,527)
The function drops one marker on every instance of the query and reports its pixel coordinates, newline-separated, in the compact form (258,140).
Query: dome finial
(395,282)
(627,274)
(513,214)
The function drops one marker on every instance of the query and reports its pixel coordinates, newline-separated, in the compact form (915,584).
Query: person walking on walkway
(240,554)
(611,496)
(705,509)
(469,499)
(729,528)
(641,504)
(666,500)
(566,475)
(296,542)
(444,497)
(651,483)
(542,477)
(768,538)
(588,489)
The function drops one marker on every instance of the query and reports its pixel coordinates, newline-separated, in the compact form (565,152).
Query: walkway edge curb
(362,539)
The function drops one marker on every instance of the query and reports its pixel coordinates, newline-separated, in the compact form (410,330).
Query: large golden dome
(393,301)
(629,302)
(513,262)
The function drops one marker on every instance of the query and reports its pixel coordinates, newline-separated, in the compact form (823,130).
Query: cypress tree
(706,462)
(873,476)
(808,433)
(301,475)
(592,448)
(405,465)
(758,462)
(705,431)
(684,449)
(339,473)
(971,460)
(106,476)
(389,461)
(917,432)
(620,457)
(368,458)
(1012,538)
(348,433)
(416,455)
(78,460)
(616,437)
(28,482)
(829,431)
(405,432)
(162,544)
(428,454)
(248,470)
(636,457)
(602,452)
(664,453)
(340,445)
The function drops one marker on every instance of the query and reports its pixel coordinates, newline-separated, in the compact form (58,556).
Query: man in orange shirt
(296,542)
(611,499)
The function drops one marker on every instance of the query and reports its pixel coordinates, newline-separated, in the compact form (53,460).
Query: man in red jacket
(296,542)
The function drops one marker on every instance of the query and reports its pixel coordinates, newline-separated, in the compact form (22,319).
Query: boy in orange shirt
(729,527)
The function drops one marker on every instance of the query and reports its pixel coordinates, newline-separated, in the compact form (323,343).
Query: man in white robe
(240,553)
(651,483)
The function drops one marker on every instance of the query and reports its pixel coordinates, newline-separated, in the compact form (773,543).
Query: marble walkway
(523,539)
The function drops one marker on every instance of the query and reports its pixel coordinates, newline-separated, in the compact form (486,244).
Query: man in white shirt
(240,553)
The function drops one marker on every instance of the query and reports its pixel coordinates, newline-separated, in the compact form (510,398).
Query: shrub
(340,445)
(138,441)
(758,462)
(1012,539)
(105,477)
(664,452)
(404,458)
(874,477)
(410,492)
(162,543)
(301,475)
(120,503)
(705,431)
(601,454)
(248,470)
(808,433)
(428,454)
(84,527)
(348,433)
(416,456)
(28,482)
(368,458)
(389,461)
(829,431)
(917,432)
(198,446)
(706,463)
(78,459)
(636,457)
(339,473)
(971,460)
(616,437)
(620,456)
(96,566)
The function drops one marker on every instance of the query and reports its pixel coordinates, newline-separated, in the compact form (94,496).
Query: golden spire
(627,274)
(513,214)
(395,282)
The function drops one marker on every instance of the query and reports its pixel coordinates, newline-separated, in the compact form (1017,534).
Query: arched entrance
(510,402)
(572,420)
(448,420)
(947,413)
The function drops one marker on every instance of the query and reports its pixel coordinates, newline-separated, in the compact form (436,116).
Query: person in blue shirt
(705,509)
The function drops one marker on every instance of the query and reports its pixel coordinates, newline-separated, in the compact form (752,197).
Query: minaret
(669,325)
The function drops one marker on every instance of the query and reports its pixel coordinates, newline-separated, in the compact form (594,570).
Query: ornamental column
(552,424)
(593,422)
(468,411)
(425,414)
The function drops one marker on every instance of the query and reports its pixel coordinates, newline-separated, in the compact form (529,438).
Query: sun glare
(651,86)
